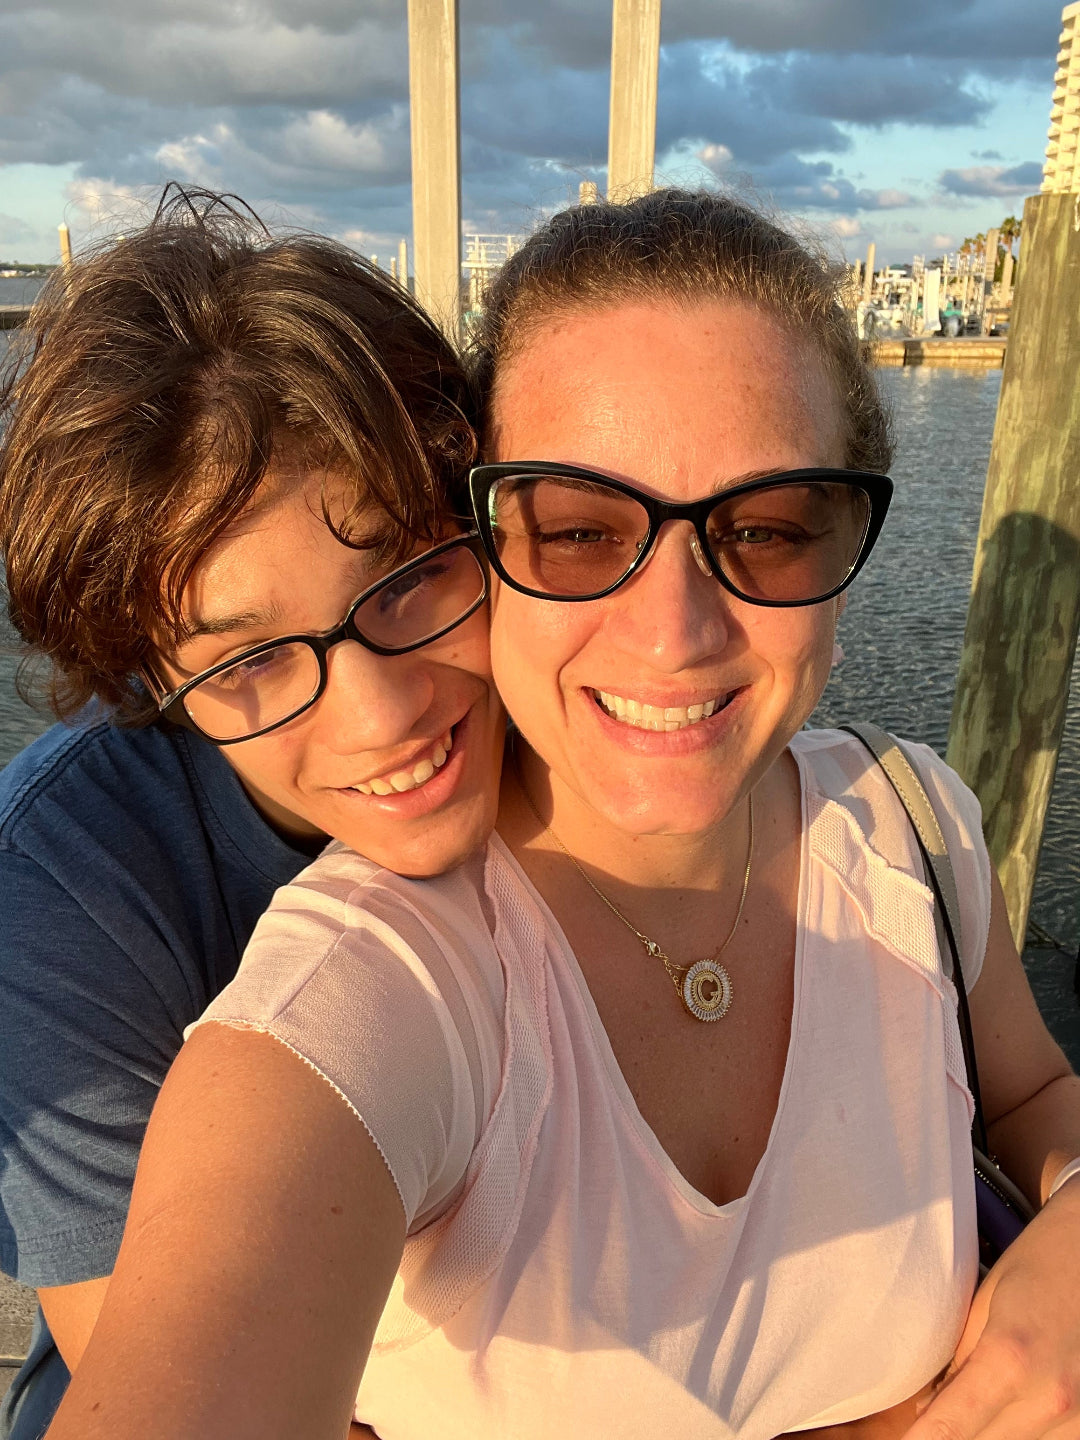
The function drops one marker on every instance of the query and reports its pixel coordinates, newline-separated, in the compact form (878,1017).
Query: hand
(1016,1373)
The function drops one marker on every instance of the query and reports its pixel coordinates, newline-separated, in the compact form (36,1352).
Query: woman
(663,1128)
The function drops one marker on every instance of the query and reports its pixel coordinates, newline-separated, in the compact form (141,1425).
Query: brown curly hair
(682,247)
(155,382)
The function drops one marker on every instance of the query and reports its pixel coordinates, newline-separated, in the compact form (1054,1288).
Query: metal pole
(635,61)
(436,159)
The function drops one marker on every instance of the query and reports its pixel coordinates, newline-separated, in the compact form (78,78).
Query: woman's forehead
(668,386)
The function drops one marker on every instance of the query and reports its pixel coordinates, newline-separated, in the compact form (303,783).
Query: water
(902,633)
(20,289)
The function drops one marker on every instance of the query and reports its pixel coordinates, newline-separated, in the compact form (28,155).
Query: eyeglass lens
(422,600)
(790,542)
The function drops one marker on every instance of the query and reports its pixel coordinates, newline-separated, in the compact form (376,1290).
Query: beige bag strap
(893,759)
(941,878)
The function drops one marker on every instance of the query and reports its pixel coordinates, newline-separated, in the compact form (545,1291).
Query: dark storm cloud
(575,32)
(307,104)
(983,180)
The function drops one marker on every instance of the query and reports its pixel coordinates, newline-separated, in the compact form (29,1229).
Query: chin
(439,847)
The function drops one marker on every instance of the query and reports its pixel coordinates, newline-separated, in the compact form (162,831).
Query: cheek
(796,642)
(468,647)
(270,764)
(531,642)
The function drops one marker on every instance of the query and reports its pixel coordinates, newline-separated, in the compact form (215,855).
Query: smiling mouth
(659,717)
(396,782)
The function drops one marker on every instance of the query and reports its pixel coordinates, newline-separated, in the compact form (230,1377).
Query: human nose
(372,702)
(673,610)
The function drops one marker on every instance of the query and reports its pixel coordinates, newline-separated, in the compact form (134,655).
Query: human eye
(766,533)
(263,667)
(577,534)
(408,588)
(779,521)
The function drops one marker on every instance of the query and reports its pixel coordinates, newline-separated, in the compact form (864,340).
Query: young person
(651,1118)
(213,439)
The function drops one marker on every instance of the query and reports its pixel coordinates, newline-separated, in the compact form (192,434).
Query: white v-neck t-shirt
(560,1276)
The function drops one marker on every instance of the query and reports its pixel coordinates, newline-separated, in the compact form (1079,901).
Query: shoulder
(76,772)
(837,766)
(842,778)
(393,990)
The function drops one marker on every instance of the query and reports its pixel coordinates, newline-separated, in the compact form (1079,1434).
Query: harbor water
(901,633)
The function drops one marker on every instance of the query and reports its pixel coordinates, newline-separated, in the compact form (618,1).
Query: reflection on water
(902,634)
(904,627)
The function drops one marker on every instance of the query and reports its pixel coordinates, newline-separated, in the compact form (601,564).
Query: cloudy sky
(909,122)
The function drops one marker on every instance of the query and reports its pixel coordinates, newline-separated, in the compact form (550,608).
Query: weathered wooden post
(65,245)
(868,273)
(436,159)
(403,264)
(1020,640)
(989,266)
(588,192)
(635,61)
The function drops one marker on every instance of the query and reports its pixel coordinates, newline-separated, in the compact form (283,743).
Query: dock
(12,316)
(986,352)
(17,1308)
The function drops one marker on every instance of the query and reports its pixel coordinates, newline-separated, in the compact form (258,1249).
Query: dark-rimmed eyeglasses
(561,532)
(272,683)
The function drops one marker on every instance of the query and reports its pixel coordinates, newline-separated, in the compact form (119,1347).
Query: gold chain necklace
(705,986)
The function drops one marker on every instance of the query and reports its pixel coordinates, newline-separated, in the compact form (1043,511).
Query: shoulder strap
(902,776)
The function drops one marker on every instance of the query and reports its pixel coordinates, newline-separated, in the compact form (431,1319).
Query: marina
(902,634)
(916,632)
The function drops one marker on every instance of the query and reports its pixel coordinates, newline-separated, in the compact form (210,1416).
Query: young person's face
(681,403)
(281,570)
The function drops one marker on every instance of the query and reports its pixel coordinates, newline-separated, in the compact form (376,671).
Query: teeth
(420,774)
(655,717)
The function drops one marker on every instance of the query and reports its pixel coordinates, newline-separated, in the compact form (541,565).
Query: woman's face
(680,402)
(280,570)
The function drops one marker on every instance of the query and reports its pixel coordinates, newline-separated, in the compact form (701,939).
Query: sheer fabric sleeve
(376,987)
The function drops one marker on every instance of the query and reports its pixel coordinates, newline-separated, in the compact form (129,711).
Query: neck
(540,813)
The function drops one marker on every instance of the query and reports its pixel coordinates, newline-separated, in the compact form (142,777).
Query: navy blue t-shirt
(133,868)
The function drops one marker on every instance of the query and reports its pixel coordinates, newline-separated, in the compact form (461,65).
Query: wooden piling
(635,60)
(588,192)
(65,245)
(1019,644)
(868,273)
(436,158)
(989,266)
(403,264)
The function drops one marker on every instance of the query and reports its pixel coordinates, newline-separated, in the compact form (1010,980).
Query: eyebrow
(231,624)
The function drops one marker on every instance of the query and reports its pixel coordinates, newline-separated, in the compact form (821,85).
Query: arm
(71,1312)
(264,1233)
(1017,1367)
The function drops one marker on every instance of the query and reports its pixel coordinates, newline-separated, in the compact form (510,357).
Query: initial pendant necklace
(703,987)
